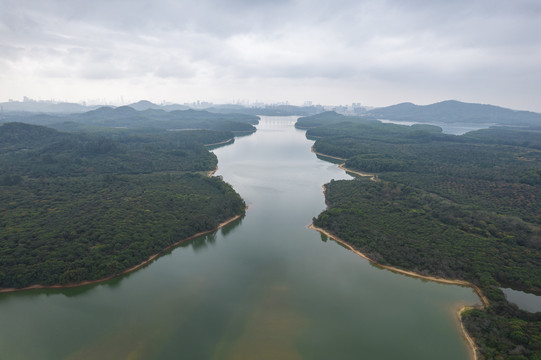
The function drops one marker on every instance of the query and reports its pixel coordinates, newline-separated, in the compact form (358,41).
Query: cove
(263,287)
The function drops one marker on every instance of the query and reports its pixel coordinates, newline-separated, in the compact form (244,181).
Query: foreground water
(265,287)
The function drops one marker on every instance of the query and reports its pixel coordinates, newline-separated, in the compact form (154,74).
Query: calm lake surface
(447,128)
(264,287)
(525,301)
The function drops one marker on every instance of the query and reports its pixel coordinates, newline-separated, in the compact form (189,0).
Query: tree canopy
(78,207)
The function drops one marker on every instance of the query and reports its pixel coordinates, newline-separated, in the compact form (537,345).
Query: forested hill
(34,151)
(341,123)
(463,207)
(452,111)
(18,136)
(127,118)
(76,207)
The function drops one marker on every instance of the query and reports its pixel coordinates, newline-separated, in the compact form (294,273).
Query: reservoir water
(525,301)
(447,128)
(264,287)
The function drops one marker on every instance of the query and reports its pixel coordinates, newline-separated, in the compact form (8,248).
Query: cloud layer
(374,52)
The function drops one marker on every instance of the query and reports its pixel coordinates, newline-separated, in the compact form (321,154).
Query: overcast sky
(329,52)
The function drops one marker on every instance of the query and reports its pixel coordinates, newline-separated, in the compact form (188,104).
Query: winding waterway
(264,287)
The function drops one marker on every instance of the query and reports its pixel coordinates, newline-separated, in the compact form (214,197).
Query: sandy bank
(343,165)
(325,155)
(478,291)
(372,176)
(212,172)
(465,334)
(405,272)
(221,142)
(127,271)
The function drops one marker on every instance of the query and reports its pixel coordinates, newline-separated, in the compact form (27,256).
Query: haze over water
(265,287)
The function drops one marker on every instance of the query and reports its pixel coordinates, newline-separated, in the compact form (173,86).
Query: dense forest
(125,119)
(463,207)
(78,207)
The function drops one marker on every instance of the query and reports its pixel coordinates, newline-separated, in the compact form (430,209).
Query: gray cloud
(375,52)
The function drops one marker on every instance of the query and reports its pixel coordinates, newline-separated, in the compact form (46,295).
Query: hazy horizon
(376,53)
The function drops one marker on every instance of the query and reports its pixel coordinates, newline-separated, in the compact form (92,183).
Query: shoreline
(372,176)
(129,270)
(221,142)
(485,302)
(329,156)
(478,291)
(212,172)
(343,165)
(465,334)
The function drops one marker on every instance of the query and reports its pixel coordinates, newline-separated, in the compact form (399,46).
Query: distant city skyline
(378,53)
(199,102)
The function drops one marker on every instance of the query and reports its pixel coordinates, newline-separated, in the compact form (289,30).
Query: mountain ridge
(454,111)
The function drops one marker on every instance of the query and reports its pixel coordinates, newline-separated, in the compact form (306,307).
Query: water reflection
(231,226)
(270,288)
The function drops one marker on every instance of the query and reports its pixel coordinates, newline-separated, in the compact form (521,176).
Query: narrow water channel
(264,287)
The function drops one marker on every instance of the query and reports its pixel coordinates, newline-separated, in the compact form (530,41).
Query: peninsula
(456,207)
